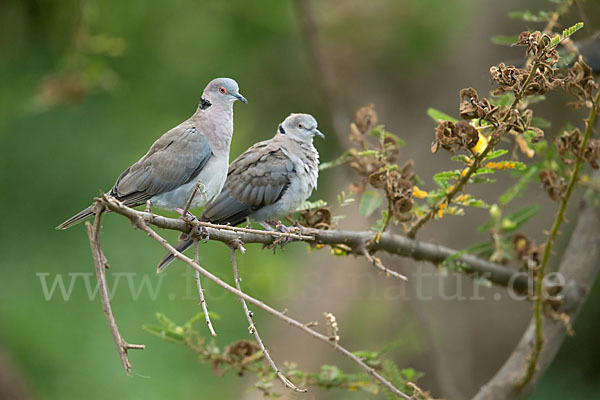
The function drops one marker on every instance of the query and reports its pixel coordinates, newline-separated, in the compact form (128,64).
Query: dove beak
(241,98)
(318,133)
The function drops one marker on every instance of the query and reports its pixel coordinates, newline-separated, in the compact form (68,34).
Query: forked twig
(100,266)
(379,265)
(254,331)
(201,291)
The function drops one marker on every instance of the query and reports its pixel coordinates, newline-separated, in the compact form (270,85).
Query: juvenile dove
(268,181)
(195,150)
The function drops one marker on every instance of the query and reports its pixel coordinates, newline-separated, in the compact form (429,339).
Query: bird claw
(199,231)
(277,226)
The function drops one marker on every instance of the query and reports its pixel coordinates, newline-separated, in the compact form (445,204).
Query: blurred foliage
(246,357)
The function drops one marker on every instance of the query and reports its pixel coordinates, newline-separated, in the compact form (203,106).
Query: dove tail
(76,218)
(182,246)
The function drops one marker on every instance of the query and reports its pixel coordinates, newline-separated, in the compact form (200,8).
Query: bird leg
(148,207)
(195,230)
(277,226)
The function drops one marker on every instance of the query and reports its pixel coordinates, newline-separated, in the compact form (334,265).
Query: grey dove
(197,150)
(268,181)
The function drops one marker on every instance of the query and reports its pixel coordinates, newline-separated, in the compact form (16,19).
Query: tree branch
(579,268)
(140,220)
(201,291)
(100,265)
(356,240)
(252,329)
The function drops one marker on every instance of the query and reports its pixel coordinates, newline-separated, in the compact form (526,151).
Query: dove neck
(217,118)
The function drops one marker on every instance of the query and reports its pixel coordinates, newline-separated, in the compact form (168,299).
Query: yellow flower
(585,178)
(440,212)
(481,144)
(418,193)
(501,165)
(463,198)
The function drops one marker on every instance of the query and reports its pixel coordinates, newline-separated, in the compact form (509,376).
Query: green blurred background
(86,88)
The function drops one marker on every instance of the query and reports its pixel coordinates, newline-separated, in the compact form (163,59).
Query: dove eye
(300,126)
(222,90)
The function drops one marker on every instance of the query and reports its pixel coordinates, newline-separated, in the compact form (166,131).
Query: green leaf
(503,100)
(461,158)
(442,178)
(369,202)
(483,171)
(378,132)
(437,115)
(505,40)
(329,373)
(411,375)
(311,205)
(565,34)
(528,16)
(368,153)
(478,203)
(344,158)
(517,219)
(518,188)
(495,154)
(477,248)
(166,322)
(378,225)
(389,347)
(541,122)
(399,142)
(481,179)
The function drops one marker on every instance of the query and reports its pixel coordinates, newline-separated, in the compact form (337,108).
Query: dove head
(302,126)
(221,91)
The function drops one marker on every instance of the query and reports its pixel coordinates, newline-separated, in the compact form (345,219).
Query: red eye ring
(222,90)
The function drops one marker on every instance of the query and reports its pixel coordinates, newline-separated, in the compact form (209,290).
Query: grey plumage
(195,150)
(268,181)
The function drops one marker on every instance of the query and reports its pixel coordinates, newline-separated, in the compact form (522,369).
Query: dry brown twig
(379,265)
(252,329)
(100,265)
(201,291)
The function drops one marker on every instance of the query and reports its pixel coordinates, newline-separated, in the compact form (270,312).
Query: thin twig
(100,266)
(389,242)
(254,331)
(558,220)
(377,264)
(138,221)
(201,291)
(188,204)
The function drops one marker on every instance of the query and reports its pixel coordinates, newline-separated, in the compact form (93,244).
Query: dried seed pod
(554,186)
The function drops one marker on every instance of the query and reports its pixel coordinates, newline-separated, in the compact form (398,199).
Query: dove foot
(200,231)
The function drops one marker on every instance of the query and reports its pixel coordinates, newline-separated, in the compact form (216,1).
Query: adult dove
(268,181)
(197,150)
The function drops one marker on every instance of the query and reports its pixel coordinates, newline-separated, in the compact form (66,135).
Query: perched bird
(268,181)
(197,150)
